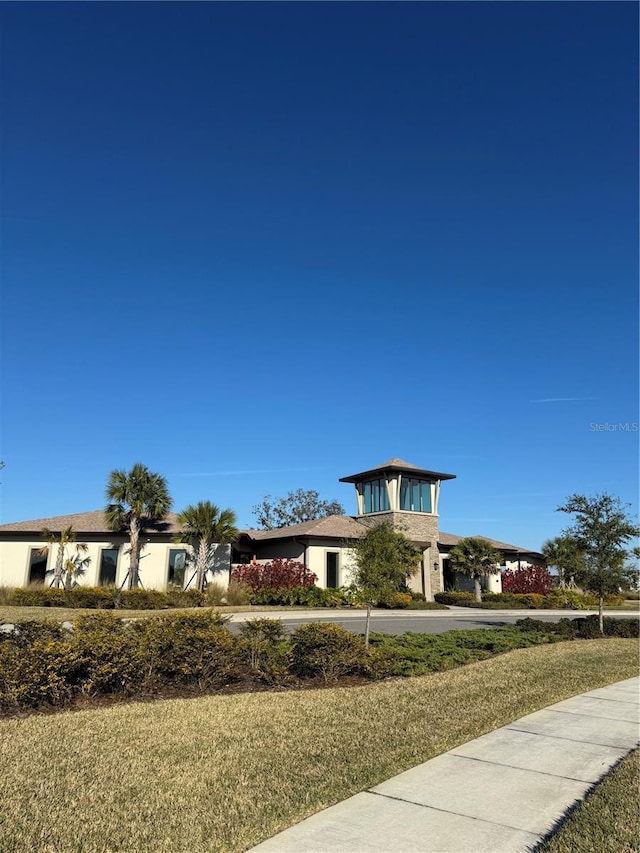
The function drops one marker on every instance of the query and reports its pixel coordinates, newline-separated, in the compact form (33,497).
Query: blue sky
(259,247)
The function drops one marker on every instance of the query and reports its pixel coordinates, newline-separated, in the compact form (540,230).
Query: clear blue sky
(262,246)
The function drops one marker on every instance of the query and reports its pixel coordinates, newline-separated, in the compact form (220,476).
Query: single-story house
(404,494)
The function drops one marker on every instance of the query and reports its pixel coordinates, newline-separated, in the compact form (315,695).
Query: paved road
(422,621)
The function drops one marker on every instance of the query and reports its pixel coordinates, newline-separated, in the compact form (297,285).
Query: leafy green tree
(204,527)
(295,508)
(138,500)
(603,531)
(384,561)
(475,557)
(562,554)
(62,539)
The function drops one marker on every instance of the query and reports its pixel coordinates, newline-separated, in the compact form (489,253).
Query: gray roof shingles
(397,464)
(330,527)
(82,522)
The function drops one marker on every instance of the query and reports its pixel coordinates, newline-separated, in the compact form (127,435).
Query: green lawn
(221,773)
(609,819)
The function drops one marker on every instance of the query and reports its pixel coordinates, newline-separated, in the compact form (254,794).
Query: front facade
(26,559)
(402,494)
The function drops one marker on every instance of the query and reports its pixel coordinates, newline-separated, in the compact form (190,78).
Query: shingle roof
(452,539)
(82,522)
(397,464)
(332,526)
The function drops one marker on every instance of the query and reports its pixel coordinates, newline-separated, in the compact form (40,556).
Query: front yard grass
(608,820)
(11,614)
(222,773)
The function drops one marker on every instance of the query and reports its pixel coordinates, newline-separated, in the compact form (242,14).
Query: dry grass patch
(222,773)
(68,614)
(608,820)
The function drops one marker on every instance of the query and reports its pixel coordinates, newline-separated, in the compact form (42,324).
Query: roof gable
(331,527)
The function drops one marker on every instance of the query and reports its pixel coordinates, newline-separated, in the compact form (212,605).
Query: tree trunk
(600,615)
(367,624)
(201,564)
(57,575)
(477,589)
(134,553)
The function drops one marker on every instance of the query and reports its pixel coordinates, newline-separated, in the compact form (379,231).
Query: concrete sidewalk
(500,793)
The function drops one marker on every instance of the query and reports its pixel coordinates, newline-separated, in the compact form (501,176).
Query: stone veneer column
(417,527)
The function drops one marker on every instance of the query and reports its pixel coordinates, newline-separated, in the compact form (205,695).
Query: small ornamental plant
(278,574)
(535,579)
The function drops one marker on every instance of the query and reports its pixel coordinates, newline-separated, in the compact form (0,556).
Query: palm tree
(475,557)
(138,499)
(562,553)
(76,566)
(62,539)
(204,527)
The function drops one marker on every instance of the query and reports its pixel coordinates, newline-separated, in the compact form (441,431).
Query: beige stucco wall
(317,560)
(154,562)
(493,583)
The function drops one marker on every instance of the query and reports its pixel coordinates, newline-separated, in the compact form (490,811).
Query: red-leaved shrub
(278,574)
(529,579)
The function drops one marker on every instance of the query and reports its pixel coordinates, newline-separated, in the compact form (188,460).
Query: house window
(177,565)
(376,497)
(333,569)
(38,564)
(415,495)
(108,566)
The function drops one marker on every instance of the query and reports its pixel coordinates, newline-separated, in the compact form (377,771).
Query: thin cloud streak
(249,471)
(563,399)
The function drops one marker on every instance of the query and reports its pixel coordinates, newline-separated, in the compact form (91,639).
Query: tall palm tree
(62,539)
(138,499)
(204,527)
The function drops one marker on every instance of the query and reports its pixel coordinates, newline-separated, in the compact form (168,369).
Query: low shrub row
(302,596)
(584,628)
(557,599)
(104,598)
(418,654)
(44,664)
(314,596)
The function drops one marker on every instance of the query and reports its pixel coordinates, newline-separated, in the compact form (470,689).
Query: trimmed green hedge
(104,598)
(302,596)
(557,599)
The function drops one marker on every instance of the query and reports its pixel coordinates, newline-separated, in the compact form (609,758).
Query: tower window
(415,495)
(376,497)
